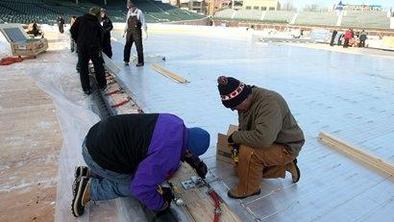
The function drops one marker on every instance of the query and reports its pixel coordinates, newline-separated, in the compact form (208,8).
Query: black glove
(167,195)
(197,164)
(202,170)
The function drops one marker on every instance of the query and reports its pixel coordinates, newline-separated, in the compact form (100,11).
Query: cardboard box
(223,149)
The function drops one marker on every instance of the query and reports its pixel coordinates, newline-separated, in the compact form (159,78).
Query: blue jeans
(105,184)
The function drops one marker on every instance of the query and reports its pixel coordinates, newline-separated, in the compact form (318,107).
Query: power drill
(235,152)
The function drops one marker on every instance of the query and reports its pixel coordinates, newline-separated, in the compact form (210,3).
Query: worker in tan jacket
(269,137)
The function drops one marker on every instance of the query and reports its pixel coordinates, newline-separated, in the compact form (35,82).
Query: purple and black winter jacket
(147,146)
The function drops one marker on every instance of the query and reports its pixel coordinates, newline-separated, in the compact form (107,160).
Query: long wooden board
(358,153)
(198,204)
(167,73)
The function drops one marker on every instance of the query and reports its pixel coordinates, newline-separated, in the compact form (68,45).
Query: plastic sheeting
(54,72)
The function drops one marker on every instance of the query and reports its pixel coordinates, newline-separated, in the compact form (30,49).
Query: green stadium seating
(278,16)
(317,18)
(366,19)
(47,11)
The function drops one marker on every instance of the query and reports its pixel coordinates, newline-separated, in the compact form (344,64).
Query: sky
(301,3)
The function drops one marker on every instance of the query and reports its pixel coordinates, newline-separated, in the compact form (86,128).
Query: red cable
(11,59)
(121,103)
(113,92)
(216,200)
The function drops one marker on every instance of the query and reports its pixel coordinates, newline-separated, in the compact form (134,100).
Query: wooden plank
(357,153)
(167,73)
(199,204)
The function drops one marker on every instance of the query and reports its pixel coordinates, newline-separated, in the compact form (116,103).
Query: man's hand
(167,195)
(144,34)
(124,34)
(202,170)
(196,163)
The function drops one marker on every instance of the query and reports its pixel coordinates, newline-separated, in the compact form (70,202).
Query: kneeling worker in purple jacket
(130,155)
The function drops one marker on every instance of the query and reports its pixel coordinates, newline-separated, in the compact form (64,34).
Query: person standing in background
(347,37)
(72,42)
(135,24)
(60,23)
(363,37)
(107,28)
(88,34)
(334,34)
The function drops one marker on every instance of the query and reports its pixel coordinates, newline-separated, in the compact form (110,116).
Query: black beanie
(232,91)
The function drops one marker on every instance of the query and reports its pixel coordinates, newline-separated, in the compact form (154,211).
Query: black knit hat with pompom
(232,91)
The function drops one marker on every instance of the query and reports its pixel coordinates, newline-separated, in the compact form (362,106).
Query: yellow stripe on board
(167,73)
(357,153)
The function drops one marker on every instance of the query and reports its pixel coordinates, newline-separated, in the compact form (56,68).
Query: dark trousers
(136,37)
(107,49)
(73,45)
(346,44)
(333,38)
(84,55)
(362,43)
(61,28)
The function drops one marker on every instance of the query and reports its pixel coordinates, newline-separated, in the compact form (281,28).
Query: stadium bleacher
(278,16)
(252,15)
(366,19)
(317,18)
(47,11)
(356,19)
(256,15)
(225,14)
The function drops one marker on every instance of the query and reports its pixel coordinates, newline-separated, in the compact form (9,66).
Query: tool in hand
(234,152)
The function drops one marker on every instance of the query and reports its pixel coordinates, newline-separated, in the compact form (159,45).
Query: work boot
(81,171)
(78,68)
(103,87)
(81,196)
(87,92)
(294,170)
(236,194)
